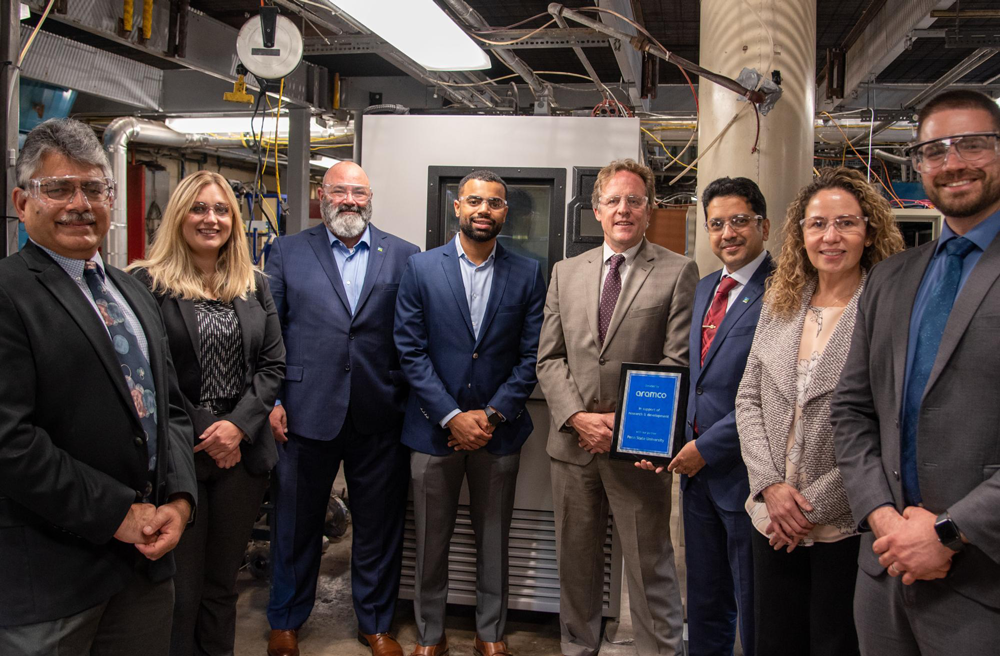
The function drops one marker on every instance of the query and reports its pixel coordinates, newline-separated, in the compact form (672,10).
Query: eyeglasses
(339,192)
(845,224)
(978,148)
(634,202)
(63,189)
(736,222)
(493,202)
(202,209)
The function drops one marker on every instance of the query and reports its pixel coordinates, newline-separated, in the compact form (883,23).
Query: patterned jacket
(765,408)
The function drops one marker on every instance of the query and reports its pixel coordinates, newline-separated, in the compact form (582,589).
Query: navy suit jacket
(447,367)
(336,362)
(712,398)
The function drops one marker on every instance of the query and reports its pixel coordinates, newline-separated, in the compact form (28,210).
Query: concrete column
(732,38)
(297,171)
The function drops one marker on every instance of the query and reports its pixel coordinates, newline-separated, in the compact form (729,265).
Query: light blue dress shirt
(352,263)
(74,268)
(982,235)
(478,281)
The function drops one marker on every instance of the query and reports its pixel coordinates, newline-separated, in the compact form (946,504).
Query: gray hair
(74,140)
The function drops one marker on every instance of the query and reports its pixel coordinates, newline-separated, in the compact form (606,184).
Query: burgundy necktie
(716,314)
(609,297)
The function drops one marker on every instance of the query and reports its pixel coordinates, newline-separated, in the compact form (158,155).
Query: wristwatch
(948,533)
(494,417)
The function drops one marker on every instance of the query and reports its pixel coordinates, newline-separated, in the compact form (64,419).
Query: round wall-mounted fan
(269,45)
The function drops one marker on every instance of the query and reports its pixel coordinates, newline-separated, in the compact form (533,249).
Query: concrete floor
(332,628)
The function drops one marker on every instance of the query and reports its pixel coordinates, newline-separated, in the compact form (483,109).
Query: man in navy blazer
(714,479)
(334,287)
(468,317)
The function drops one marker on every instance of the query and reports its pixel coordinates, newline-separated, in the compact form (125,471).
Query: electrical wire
(277,118)
(872,173)
(662,145)
(34,33)
(512,41)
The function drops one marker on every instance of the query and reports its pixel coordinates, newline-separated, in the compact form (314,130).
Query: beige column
(732,38)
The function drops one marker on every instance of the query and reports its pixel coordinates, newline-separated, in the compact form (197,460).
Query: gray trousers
(136,621)
(640,502)
(437,482)
(927,618)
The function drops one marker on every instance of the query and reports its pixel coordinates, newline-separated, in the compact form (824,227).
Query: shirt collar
(72,266)
(628,253)
(462,255)
(365,239)
(982,235)
(745,273)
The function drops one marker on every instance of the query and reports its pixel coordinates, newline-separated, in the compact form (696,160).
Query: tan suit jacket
(650,324)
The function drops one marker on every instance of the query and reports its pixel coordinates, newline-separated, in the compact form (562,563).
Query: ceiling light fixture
(420,30)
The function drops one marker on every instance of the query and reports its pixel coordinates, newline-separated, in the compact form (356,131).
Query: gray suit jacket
(765,409)
(650,324)
(958,440)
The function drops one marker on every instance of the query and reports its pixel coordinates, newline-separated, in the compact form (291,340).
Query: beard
(969,204)
(479,234)
(346,220)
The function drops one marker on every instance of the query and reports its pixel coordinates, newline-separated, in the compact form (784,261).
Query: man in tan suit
(628,301)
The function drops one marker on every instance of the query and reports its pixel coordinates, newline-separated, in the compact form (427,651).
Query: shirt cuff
(448,417)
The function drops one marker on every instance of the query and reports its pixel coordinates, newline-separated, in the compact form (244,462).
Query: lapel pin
(746,299)
(379,249)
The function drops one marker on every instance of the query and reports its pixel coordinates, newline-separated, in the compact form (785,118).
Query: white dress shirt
(623,268)
(742,276)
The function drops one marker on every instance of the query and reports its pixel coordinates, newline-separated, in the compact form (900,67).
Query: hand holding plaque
(652,405)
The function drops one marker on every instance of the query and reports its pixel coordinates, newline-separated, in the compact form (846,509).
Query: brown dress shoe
(381,644)
(283,642)
(498,648)
(440,649)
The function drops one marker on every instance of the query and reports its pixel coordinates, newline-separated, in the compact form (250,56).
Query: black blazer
(263,352)
(72,457)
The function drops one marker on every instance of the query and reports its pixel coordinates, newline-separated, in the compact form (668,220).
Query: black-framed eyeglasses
(976,148)
(63,189)
(493,202)
(219,209)
(736,222)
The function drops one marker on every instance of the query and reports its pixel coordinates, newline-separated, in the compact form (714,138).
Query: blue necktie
(929,334)
(134,365)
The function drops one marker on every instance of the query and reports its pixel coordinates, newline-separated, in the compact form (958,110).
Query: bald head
(346,173)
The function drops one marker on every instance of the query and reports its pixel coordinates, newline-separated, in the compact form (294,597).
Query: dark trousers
(805,599)
(377,471)
(209,556)
(437,483)
(719,559)
(136,621)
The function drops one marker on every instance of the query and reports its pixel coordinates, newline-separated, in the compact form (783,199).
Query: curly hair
(784,287)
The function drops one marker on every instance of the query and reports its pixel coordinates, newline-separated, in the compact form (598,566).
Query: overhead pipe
(117,137)
(642,44)
(471,17)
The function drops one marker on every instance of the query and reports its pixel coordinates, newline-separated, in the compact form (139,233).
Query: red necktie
(716,314)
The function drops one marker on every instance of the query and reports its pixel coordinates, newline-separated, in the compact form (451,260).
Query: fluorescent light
(241,125)
(420,30)
(324,161)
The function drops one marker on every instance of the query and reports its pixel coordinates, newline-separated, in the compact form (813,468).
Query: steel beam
(297,171)
(10,42)
(629,59)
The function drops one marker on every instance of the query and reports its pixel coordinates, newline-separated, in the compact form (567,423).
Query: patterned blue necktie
(929,334)
(135,366)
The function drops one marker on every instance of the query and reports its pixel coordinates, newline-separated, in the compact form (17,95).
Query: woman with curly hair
(225,341)
(805,544)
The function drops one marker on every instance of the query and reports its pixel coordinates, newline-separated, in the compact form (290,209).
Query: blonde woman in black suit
(225,340)
(805,545)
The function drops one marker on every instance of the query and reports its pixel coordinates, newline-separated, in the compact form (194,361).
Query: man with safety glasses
(334,289)
(916,412)
(96,470)
(467,322)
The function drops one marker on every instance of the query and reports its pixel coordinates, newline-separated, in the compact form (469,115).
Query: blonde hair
(170,265)
(794,270)
(618,166)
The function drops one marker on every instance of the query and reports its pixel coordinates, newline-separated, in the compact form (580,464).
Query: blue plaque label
(648,413)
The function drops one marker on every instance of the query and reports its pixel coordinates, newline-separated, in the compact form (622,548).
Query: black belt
(219,406)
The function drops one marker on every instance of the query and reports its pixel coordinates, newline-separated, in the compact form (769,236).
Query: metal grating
(534,576)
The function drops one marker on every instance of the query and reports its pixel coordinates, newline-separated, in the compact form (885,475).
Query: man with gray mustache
(334,287)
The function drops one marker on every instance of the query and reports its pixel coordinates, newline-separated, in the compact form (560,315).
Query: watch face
(947,532)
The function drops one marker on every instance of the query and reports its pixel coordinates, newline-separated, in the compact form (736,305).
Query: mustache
(949,176)
(76,218)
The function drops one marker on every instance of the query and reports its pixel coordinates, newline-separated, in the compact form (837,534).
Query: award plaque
(652,405)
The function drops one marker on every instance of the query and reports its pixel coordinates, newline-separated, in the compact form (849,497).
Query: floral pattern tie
(134,365)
